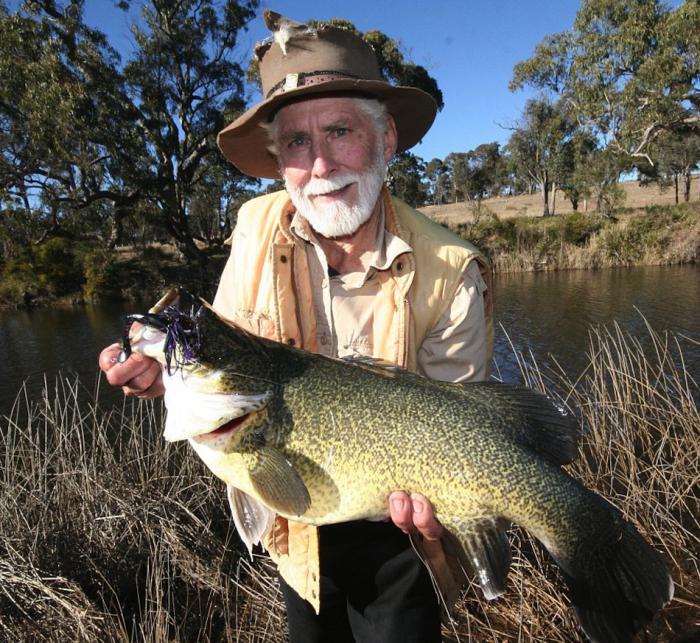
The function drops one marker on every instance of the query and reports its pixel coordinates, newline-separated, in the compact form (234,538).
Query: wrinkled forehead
(320,112)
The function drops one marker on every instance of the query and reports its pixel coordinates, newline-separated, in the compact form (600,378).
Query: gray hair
(371,107)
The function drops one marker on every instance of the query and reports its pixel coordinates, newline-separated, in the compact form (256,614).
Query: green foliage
(406,173)
(628,69)
(577,228)
(58,266)
(79,129)
(593,240)
(540,146)
(102,275)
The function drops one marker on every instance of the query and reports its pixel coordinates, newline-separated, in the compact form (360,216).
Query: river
(547,314)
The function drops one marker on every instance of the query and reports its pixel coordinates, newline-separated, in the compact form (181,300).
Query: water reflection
(551,314)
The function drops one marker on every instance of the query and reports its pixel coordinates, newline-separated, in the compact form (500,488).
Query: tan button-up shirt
(455,350)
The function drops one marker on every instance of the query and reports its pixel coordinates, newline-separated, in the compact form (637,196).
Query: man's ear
(390,138)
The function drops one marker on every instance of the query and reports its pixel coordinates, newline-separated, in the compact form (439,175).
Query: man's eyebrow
(290,135)
(338,122)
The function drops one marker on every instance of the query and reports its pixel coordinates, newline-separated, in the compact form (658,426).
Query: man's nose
(323,162)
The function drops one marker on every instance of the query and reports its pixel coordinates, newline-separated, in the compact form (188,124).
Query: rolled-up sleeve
(456,349)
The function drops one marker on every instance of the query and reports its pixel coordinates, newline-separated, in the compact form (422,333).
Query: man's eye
(296,142)
(341,131)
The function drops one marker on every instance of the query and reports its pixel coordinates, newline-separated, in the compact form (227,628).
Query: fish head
(214,372)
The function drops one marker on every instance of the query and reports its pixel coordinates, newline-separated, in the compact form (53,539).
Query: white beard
(339,219)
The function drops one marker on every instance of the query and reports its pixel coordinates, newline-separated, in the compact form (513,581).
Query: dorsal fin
(538,423)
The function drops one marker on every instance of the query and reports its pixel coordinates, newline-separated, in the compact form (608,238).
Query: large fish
(321,441)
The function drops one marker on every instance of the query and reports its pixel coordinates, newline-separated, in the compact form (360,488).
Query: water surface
(549,314)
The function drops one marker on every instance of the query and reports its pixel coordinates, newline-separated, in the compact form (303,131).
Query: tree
(456,164)
(65,128)
(677,155)
(538,143)
(628,70)
(184,84)
(406,172)
(438,176)
(571,167)
(78,128)
(484,172)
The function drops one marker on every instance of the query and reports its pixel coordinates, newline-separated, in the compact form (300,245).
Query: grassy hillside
(530,205)
(651,234)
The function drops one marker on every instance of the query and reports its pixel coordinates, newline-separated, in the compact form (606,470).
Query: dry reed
(109,534)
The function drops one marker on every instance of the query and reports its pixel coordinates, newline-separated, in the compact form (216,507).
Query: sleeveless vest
(266,288)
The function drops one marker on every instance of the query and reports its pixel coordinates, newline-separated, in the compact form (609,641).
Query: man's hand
(138,376)
(414,513)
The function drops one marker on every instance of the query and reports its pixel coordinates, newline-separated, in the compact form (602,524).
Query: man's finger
(401,511)
(424,519)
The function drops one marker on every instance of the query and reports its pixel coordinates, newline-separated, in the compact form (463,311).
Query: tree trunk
(116,229)
(545,198)
(675,187)
(686,187)
(554,199)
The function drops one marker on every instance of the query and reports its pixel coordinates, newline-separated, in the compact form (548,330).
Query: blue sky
(469,46)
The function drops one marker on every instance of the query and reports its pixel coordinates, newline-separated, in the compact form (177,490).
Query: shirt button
(324,340)
(291,341)
(283,258)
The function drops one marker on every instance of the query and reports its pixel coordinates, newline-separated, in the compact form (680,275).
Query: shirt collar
(387,246)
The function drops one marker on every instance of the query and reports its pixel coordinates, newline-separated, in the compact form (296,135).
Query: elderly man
(335,265)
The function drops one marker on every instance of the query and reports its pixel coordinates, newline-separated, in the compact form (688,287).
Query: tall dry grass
(109,534)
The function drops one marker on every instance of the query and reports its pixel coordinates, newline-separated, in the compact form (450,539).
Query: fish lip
(226,429)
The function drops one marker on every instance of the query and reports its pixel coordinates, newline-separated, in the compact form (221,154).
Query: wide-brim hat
(300,62)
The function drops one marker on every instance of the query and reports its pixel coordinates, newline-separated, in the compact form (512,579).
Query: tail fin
(617,591)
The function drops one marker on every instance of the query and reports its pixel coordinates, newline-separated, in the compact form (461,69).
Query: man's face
(333,162)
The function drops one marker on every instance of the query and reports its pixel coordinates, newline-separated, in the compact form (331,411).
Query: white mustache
(318,187)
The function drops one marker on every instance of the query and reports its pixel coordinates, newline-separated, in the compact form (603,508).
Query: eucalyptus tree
(78,127)
(66,130)
(677,157)
(484,172)
(438,176)
(184,83)
(628,70)
(538,143)
(406,178)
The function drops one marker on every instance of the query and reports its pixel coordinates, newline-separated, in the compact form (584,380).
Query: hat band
(305,79)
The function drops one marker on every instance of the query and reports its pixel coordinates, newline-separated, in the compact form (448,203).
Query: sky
(468,46)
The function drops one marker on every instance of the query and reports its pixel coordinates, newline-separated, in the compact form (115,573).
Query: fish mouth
(227,429)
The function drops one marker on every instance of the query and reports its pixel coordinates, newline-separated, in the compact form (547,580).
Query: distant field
(531,204)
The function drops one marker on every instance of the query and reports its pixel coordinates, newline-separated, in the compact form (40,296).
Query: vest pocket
(260,324)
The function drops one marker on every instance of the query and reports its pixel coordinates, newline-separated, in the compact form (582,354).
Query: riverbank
(656,235)
(109,534)
(63,273)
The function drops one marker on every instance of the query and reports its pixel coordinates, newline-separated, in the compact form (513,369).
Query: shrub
(58,266)
(101,272)
(577,228)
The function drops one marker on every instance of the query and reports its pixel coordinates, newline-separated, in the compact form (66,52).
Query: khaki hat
(299,61)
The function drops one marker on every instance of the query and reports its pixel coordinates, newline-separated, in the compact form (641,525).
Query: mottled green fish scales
(320,441)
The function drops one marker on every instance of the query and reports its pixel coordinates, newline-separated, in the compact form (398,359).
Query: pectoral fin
(278,485)
(252,518)
(482,546)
